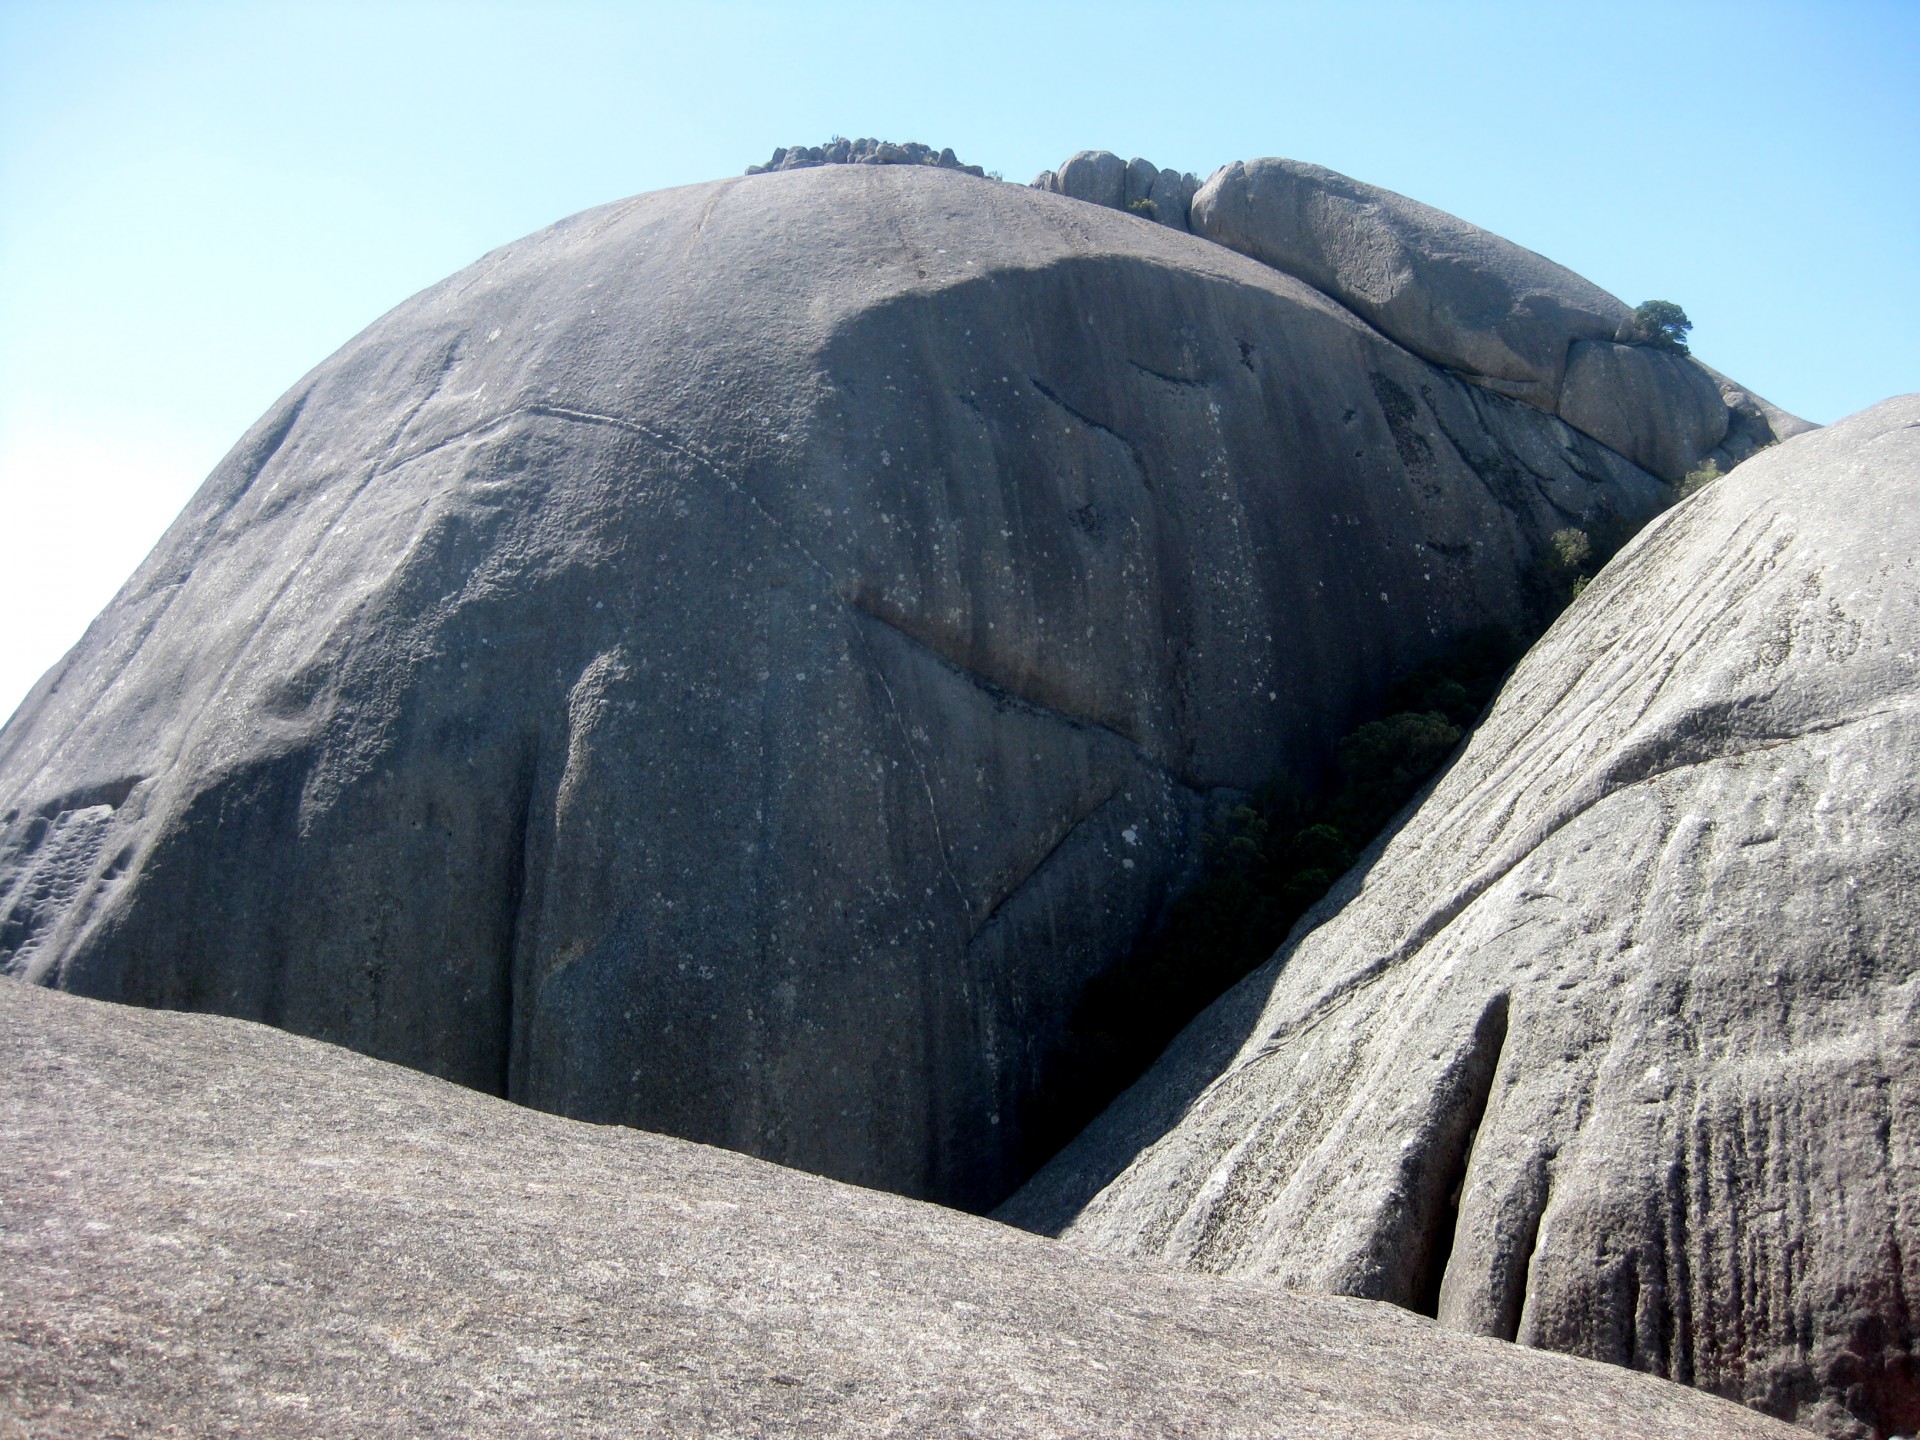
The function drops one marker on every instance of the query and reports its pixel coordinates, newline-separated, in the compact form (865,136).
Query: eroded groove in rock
(1439,1179)
(519,858)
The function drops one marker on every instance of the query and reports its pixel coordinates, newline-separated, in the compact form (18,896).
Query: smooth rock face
(1613,1048)
(739,662)
(1494,311)
(215,1228)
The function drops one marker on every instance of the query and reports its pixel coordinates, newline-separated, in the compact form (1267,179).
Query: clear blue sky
(198,202)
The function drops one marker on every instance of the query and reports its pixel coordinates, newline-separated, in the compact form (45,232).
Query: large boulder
(742,661)
(1098,177)
(217,1229)
(1613,1047)
(1447,290)
(1508,318)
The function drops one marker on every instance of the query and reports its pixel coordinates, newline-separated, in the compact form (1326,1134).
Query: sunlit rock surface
(1613,1048)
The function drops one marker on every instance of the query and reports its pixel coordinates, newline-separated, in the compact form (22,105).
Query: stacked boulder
(865,151)
(1495,312)
(1101,177)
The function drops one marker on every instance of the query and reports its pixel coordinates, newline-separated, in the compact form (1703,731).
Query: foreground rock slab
(1614,1047)
(208,1227)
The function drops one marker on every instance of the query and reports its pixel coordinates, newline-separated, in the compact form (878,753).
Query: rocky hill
(741,662)
(757,662)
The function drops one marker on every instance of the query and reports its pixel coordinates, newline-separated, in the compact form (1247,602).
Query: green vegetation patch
(1661,325)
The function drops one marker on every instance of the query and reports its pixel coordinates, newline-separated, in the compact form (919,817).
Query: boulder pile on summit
(865,151)
(750,661)
(1100,177)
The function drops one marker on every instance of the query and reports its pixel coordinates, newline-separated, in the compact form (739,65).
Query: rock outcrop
(742,661)
(1137,186)
(1485,308)
(1613,1048)
(215,1228)
(865,151)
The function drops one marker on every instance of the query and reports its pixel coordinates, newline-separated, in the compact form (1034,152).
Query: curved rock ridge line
(1612,1046)
(1510,319)
(741,661)
(215,1228)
